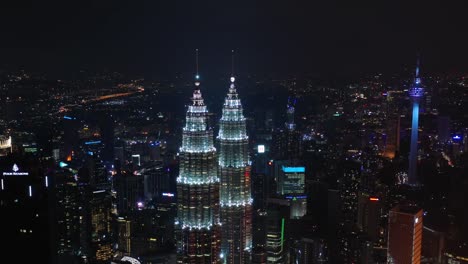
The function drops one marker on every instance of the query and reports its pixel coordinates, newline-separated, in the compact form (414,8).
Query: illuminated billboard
(15,171)
(293,169)
(291,180)
(261,148)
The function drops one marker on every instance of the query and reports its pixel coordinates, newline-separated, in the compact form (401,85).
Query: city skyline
(338,133)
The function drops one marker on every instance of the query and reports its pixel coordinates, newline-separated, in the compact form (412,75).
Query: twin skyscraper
(214,204)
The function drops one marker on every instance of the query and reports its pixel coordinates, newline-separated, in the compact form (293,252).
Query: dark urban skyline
(343,150)
(151,39)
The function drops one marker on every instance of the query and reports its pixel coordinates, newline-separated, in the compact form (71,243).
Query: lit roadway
(110,96)
(102,98)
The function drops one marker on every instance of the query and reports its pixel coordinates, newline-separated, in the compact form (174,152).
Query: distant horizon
(159,39)
(406,70)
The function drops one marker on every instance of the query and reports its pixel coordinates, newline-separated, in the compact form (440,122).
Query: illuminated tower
(290,125)
(198,187)
(287,141)
(415,92)
(235,191)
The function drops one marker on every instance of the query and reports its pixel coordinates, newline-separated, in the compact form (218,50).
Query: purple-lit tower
(198,220)
(415,92)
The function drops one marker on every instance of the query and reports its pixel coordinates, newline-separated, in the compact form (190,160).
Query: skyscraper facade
(198,188)
(24,205)
(405,235)
(287,144)
(415,92)
(235,190)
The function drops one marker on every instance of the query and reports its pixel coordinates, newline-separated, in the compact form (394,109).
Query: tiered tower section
(415,92)
(235,191)
(198,188)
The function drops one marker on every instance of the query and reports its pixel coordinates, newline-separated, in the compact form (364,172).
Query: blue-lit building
(291,180)
(415,93)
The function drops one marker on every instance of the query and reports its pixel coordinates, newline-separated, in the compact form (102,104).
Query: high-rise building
(156,180)
(259,255)
(276,221)
(235,190)
(100,219)
(124,235)
(313,250)
(198,188)
(287,144)
(433,245)
(106,126)
(349,185)
(291,180)
(152,230)
(405,234)
(96,215)
(25,198)
(67,217)
(415,92)
(369,208)
(5,145)
(392,144)
(443,128)
(392,124)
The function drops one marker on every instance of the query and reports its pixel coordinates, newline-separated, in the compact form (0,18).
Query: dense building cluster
(102,169)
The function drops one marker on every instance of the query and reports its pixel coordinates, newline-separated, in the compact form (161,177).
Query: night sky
(158,38)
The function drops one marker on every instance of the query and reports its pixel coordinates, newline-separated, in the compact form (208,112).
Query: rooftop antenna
(417,66)
(232,63)
(197,76)
(232,66)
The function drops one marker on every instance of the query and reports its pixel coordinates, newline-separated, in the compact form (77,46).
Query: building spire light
(232,67)
(197,75)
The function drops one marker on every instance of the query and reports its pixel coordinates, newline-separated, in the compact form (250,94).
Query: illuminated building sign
(261,149)
(93,142)
(292,180)
(15,172)
(293,169)
(296,197)
(168,194)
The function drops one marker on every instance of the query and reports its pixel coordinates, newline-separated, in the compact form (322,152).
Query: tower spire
(197,75)
(196,64)
(417,67)
(233,79)
(232,63)
(232,87)
(417,79)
